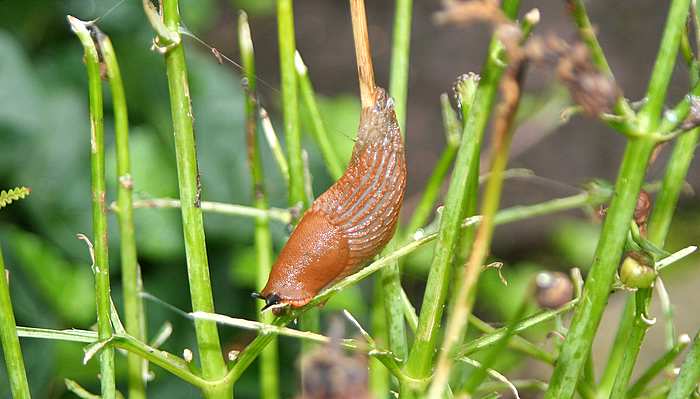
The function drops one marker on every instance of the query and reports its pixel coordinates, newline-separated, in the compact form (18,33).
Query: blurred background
(44,139)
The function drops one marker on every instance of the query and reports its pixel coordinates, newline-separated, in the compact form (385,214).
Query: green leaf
(158,231)
(54,276)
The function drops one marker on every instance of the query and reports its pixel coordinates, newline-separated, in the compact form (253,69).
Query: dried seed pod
(595,92)
(637,271)
(554,289)
(642,209)
(352,221)
(329,373)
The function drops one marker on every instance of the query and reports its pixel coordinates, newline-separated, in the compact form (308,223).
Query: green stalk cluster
(269,383)
(99,207)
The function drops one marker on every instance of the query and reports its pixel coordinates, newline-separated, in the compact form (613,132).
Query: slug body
(353,220)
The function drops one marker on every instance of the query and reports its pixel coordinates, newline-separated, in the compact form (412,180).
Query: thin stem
(393,305)
(318,127)
(650,114)
(173,364)
(587,317)
(400,59)
(617,351)
(635,336)
(431,191)
(363,53)
(274,144)
(475,379)
(269,382)
(212,361)
(464,294)
(649,119)
(280,215)
(675,116)
(99,208)
(398,88)
(657,367)
(490,339)
(379,383)
(266,328)
(131,275)
(72,335)
(689,375)
(420,358)
(615,227)
(516,342)
(14,363)
(509,215)
(534,385)
(290,107)
(672,185)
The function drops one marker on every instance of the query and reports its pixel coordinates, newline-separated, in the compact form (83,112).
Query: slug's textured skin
(353,220)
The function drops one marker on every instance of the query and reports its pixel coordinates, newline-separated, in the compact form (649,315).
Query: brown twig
(363,53)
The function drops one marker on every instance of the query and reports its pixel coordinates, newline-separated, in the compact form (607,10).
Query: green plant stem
(287,47)
(280,215)
(617,351)
(431,191)
(650,373)
(393,305)
(398,88)
(99,207)
(490,339)
(516,342)
(318,127)
(131,275)
(635,335)
(212,361)
(464,294)
(534,385)
(659,224)
(587,316)
(11,349)
(269,382)
(689,376)
(274,144)
(508,215)
(675,116)
(420,358)
(649,120)
(634,163)
(378,374)
(400,59)
(674,178)
(290,108)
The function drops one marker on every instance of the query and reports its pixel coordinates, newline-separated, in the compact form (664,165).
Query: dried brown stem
(363,53)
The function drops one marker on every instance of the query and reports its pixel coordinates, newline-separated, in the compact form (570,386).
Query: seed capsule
(637,271)
(554,289)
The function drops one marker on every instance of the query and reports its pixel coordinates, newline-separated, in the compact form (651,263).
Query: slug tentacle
(353,220)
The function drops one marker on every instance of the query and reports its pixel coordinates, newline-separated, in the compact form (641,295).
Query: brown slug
(352,221)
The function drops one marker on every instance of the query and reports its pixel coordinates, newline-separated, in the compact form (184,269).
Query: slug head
(270,300)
